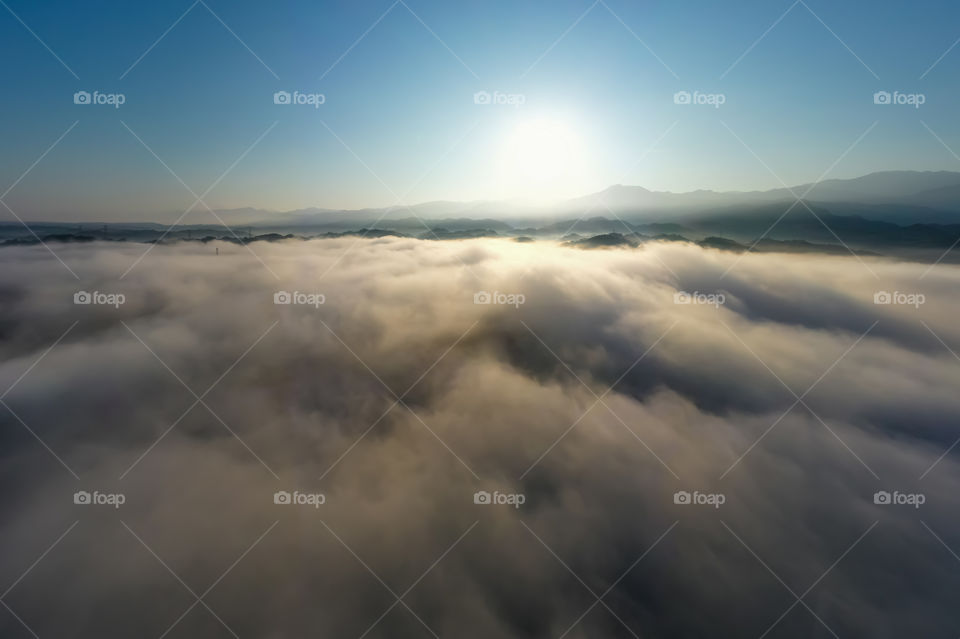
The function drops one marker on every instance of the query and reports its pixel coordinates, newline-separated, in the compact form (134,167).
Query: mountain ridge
(899,196)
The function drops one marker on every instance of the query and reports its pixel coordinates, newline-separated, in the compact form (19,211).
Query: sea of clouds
(676,442)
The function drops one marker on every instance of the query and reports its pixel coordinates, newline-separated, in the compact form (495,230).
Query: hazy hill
(902,197)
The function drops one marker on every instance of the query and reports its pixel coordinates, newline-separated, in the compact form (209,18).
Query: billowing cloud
(595,385)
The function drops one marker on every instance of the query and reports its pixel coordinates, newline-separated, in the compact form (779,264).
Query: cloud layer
(598,398)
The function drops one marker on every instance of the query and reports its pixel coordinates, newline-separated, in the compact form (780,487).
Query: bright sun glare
(542,157)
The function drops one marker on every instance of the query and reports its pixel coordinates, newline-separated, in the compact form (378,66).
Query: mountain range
(902,197)
(908,214)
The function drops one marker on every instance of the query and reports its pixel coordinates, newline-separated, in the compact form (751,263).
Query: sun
(541,157)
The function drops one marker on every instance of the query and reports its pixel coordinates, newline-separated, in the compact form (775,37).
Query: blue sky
(399,120)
